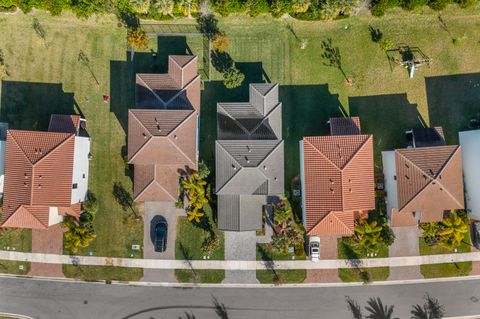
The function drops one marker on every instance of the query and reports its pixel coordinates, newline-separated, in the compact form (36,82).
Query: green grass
(265,252)
(16,239)
(45,77)
(205,276)
(95,273)
(360,274)
(12,267)
(447,269)
(284,276)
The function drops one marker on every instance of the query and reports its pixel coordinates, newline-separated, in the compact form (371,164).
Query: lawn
(16,239)
(270,276)
(14,267)
(95,273)
(190,236)
(447,269)
(360,274)
(46,77)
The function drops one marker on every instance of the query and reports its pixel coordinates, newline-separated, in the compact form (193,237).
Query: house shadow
(29,105)
(453,101)
(387,117)
(122,73)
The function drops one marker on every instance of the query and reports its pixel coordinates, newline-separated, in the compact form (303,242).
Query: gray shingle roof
(240,212)
(261,118)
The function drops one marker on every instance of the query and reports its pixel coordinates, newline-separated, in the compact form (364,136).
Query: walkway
(406,244)
(48,241)
(238,264)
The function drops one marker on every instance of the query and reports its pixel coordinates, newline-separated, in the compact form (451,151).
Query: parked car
(314,248)
(476,234)
(161,231)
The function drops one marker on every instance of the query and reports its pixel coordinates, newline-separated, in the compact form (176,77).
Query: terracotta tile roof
(38,174)
(64,123)
(345,125)
(339,178)
(429,180)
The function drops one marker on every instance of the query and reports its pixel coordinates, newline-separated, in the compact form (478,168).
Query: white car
(314,248)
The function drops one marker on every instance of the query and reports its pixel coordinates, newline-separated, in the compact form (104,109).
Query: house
(337,179)
(163,129)
(46,173)
(423,182)
(470,144)
(3,152)
(249,158)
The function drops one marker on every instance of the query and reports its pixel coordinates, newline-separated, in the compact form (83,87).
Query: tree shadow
(188,316)
(124,198)
(332,57)
(219,308)
(268,262)
(430,309)
(375,34)
(378,310)
(453,102)
(29,105)
(387,117)
(354,308)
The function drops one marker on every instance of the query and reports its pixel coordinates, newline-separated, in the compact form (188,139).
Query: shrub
(137,38)
(279,7)
(210,244)
(412,4)
(379,7)
(256,7)
(233,78)
(220,42)
(466,3)
(330,9)
(300,6)
(164,7)
(438,4)
(225,7)
(140,6)
(203,171)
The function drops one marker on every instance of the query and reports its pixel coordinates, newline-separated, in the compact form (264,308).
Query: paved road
(45,299)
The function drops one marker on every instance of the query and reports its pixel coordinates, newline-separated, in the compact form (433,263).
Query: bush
(203,171)
(256,7)
(300,6)
(379,7)
(225,7)
(220,42)
(137,38)
(279,7)
(385,44)
(466,3)
(439,4)
(210,244)
(233,78)
(412,4)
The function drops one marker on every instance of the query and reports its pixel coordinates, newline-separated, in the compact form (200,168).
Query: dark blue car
(161,231)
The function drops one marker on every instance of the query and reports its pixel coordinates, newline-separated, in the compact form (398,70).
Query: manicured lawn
(13,267)
(360,274)
(46,77)
(447,269)
(265,252)
(94,273)
(16,239)
(205,276)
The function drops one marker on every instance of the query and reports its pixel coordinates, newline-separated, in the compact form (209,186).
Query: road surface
(47,299)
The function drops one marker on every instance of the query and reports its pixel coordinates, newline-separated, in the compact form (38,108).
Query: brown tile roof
(339,178)
(345,126)
(429,180)
(38,174)
(156,183)
(64,123)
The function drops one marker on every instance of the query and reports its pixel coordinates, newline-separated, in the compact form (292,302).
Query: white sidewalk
(237,265)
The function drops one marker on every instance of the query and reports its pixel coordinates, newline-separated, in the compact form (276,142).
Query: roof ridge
(144,144)
(266,93)
(53,149)
(150,89)
(184,88)
(265,117)
(18,145)
(357,150)
(268,155)
(183,153)
(334,215)
(16,210)
(243,128)
(182,122)
(238,164)
(320,152)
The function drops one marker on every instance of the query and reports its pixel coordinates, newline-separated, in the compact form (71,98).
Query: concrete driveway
(151,211)
(406,244)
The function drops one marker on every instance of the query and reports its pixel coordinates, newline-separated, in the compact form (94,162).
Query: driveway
(49,241)
(240,246)
(406,244)
(328,250)
(170,213)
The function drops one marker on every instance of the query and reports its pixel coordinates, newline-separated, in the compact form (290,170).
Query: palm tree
(77,235)
(431,309)
(164,7)
(454,229)
(377,310)
(430,232)
(141,6)
(368,235)
(194,187)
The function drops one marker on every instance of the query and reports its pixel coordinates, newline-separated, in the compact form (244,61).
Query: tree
(367,235)
(233,78)
(431,309)
(186,6)
(220,42)
(453,230)
(140,6)
(301,6)
(377,310)
(137,38)
(203,171)
(164,7)
(430,232)
(195,190)
(194,214)
(78,234)
(330,9)
(282,214)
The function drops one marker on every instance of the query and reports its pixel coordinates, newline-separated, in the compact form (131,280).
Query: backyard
(45,76)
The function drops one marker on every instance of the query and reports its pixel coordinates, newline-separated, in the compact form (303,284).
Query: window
(83,175)
(75,186)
